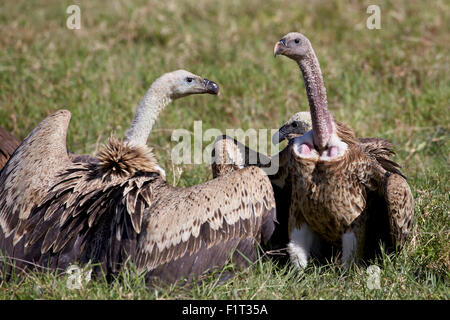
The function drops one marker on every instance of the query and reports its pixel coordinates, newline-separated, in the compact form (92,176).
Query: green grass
(391,83)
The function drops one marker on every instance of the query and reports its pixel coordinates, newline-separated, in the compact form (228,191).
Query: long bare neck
(322,121)
(154,101)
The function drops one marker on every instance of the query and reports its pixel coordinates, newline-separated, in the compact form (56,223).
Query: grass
(391,83)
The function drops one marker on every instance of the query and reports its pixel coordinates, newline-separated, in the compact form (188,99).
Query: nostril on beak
(283,41)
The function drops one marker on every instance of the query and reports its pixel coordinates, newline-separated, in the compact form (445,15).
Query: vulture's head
(296,126)
(294,45)
(182,83)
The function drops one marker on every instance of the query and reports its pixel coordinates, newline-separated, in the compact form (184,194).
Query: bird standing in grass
(343,190)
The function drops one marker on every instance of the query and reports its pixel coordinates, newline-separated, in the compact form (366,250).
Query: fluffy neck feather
(322,122)
(154,101)
(119,159)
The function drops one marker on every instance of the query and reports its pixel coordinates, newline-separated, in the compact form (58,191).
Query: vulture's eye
(295,124)
(188,79)
(297,40)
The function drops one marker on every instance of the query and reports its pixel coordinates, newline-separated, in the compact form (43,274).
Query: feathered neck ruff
(122,159)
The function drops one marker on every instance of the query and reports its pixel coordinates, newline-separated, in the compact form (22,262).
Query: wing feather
(400,205)
(381,150)
(229,155)
(27,175)
(81,208)
(212,213)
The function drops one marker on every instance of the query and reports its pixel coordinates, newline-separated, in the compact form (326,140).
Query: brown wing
(381,150)
(83,219)
(30,172)
(400,207)
(229,155)
(390,204)
(93,211)
(8,143)
(196,229)
(399,202)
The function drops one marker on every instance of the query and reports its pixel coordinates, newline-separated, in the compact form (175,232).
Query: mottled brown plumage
(120,208)
(8,143)
(344,190)
(95,212)
(229,155)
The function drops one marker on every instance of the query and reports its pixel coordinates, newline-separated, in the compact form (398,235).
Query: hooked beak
(279,47)
(278,137)
(286,134)
(211,86)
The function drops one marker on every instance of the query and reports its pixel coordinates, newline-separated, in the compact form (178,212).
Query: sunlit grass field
(392,83)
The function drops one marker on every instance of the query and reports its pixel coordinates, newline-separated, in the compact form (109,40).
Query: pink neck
(322,121)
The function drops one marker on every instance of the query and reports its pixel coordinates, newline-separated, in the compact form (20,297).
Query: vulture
(8,143)
(296,126)
(344,190)
(55,212)
(229,155)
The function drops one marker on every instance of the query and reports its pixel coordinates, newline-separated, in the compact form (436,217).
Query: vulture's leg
(353,240)
(300,245)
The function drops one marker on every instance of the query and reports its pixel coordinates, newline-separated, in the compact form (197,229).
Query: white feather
(300,245)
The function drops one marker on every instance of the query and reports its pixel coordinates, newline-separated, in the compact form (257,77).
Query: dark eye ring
(295,124)
(188,79)
(297,40)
